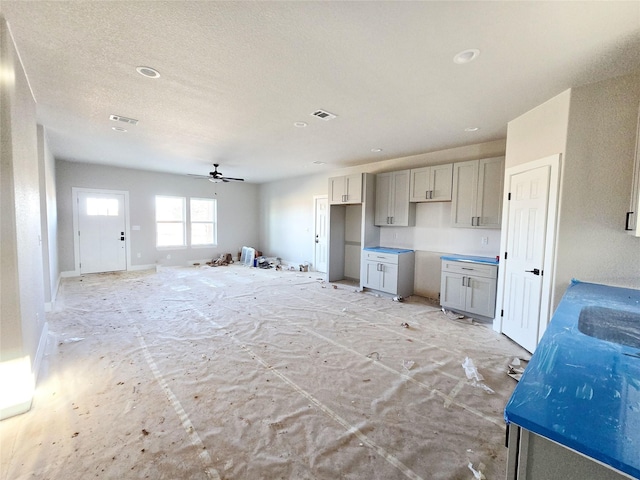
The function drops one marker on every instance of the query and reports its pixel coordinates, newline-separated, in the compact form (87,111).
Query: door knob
(535,271)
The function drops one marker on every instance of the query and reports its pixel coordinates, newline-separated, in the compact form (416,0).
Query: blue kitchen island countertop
(470,259)
(584,392)
(394,251)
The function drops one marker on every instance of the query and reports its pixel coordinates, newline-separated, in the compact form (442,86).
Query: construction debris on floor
(249,373)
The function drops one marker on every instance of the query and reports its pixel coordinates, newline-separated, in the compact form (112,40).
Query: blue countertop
(395,251)
(583,392)
(470,258)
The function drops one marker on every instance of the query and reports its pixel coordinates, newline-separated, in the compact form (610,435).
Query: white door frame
(548,279)
(76,244)
(315,222)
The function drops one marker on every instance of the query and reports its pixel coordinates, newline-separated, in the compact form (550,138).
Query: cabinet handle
(431,194)
(473,220)
(478,222)
(468,281)
(463,281)
(391,220)
(426,194)
(626,223)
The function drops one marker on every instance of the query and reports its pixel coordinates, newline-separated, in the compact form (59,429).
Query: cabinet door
(399,205)
(481,296)
(465,193)
(336,190)
(453,290)
(353,188)
(388,277)
(372,275)
(490,187)
(420,184)
(441,182)
(383,194)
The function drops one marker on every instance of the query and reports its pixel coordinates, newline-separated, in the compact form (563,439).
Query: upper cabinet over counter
(431,184)
(346,189)
(392,200)
(477,193)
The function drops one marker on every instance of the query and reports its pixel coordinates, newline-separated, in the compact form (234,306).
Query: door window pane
(102,206)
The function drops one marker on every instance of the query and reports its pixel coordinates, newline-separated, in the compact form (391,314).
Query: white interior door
(321,214)
(524,265)
(101,232)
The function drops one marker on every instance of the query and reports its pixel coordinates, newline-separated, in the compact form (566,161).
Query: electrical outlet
(485,240)
(168,257)
(139,255)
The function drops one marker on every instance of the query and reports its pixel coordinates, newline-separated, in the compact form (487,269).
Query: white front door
(524,265)
(321,214)
(101,231)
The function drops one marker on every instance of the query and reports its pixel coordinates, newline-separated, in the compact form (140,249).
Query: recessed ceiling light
(466,56)
(471,129)
(299,124)
(376,150)
(119,129)
(317,162)
(148,72)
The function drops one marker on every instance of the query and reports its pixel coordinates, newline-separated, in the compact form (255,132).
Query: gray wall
(21,281)
(596,187)
(237,211)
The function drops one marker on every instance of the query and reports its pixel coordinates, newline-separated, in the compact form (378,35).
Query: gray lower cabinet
(469,287)
(388,272)
(533,457)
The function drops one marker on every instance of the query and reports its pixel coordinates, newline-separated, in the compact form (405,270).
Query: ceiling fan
(217,177)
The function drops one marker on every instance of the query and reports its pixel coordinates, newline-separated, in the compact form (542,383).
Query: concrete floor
(241,373)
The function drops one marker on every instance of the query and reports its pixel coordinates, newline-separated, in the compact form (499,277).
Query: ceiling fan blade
(198,176)
(234,179)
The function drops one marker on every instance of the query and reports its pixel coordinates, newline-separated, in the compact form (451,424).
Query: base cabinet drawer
(388,272)
(469,287)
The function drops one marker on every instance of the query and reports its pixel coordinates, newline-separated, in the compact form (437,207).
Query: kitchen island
(576,411)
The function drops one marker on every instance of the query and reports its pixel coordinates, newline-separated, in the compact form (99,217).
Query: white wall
(287,222)
(49,220)
(540,132)
(237,211)
(22,319)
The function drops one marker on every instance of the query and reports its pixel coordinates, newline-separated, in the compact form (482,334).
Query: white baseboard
(42,345)
(21,375)
(135,268)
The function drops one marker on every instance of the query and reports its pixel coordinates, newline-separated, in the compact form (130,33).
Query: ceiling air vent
(324,115)
(118,118)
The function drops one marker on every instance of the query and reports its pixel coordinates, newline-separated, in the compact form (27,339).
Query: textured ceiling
(235,76)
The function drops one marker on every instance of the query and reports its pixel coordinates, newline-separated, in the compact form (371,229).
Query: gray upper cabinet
(346,189)
(477,193)
(431,184)
(392,200)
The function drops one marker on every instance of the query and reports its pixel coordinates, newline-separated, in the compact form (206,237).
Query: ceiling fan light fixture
(148,72)
(118,129)
(466,56)
(215,180)
(471,129)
